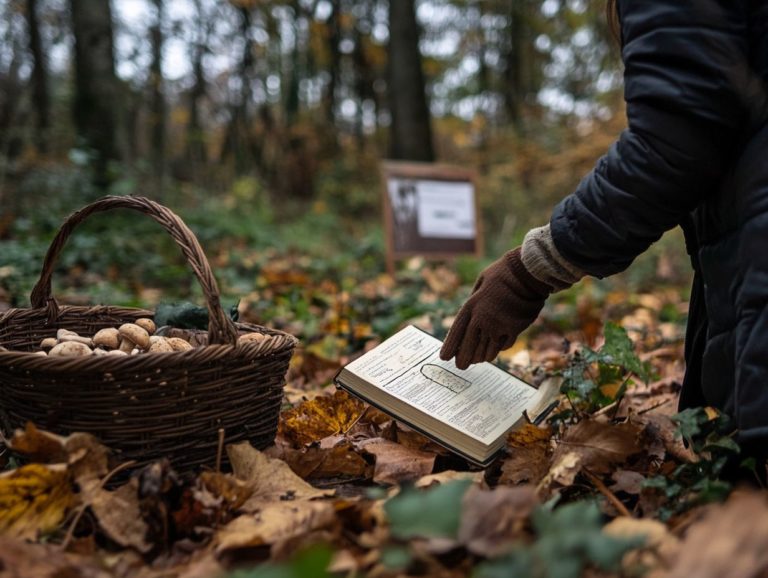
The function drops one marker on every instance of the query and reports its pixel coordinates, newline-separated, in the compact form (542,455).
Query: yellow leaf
(34,499)
(528,455)
(711,412)
(528,435)
(610,390)
(320,417)
(85,456)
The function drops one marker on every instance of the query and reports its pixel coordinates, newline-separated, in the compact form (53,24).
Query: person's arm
(688,90)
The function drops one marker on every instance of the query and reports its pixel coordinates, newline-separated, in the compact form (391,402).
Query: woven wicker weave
(150,405)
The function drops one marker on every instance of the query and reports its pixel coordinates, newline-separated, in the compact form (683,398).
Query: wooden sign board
(429,210)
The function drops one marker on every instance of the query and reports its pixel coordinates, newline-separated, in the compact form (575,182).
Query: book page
(482,401)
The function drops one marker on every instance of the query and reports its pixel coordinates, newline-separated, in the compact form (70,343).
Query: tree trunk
(237,142)
(522,65)
(196,149)
(411,133)
(291,102)
(97,95)
(157,99)
(334,69)
(40,95)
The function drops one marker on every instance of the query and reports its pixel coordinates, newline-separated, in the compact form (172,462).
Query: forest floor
(615,483)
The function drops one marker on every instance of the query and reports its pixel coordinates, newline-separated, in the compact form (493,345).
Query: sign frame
(410,243)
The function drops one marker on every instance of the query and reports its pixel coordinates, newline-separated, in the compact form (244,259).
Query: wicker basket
(150,405)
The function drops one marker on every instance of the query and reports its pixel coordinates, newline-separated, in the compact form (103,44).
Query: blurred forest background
(263,123)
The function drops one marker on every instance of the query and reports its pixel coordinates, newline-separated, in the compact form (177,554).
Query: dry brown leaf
(320,417)
(232,492)
(660,430)
(449,476)
(270,480)
(20,559)
(594,445)
(627,481)
(274,522)
(87,458)
(414,440)
(529,455)
(441,280)
(119,516)
(308,368)
(729,542)
(396,463)
(492,520)
(34,499)
(339,461)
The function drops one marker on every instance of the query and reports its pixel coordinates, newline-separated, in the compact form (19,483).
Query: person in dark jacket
(695,154)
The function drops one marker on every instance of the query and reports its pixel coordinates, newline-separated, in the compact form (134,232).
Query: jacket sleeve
(686,79)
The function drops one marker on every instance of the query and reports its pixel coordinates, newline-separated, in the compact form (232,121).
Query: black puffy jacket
(695,153)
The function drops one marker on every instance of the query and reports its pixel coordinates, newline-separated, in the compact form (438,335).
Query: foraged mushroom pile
(128,339)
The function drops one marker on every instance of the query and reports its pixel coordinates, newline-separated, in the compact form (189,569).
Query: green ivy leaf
(186,315)
(568,539)
(433,513)
(620,350)
(689,423)
(311,563)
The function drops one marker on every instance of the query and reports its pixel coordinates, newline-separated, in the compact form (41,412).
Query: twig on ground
(220,450)
(84,506)
(609,495)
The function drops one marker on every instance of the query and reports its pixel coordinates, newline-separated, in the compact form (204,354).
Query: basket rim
(279,343)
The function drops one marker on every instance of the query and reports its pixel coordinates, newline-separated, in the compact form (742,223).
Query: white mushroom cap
(63,335)
(159,344)
(252,338)
(132,335)
(109,337)
(70,349)
(179,344)
(48,343)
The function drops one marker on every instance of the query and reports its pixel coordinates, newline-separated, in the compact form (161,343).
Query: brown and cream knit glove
(507,297)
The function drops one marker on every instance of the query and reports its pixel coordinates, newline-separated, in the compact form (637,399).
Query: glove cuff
(536,289)
(544,261)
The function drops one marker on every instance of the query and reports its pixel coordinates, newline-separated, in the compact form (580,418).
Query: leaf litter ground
(615,483)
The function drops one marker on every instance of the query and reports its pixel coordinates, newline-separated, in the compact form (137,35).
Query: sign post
(429,210)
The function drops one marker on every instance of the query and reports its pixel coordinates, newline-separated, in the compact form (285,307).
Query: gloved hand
(506,299)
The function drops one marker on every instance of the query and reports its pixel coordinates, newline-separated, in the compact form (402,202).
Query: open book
(467,411)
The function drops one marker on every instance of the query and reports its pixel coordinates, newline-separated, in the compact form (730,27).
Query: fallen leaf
(449,476)
(320,417)
(414,440)
(396,463)
(307,368)
(20,559)
(270,480)
(119,516)
(86,456)
(34,499)
(627,481)
(655,534)
(528,455)
(232,492)
(492,521)
(339,461)
(441,280)
(729,542)
(661,431)
(596,445)
(274,522)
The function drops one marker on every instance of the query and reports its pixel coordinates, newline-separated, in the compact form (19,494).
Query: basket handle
(221,329)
